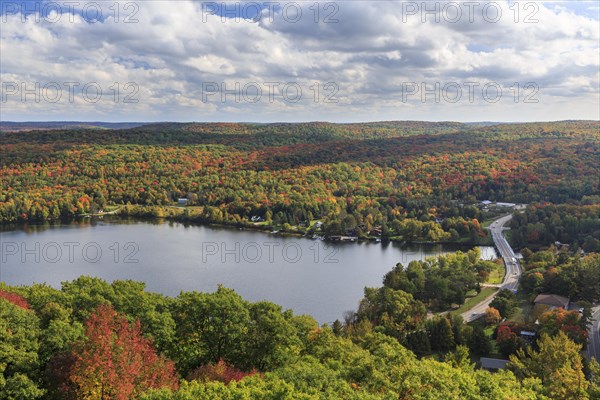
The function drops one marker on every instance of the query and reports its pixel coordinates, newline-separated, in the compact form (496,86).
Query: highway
(594,335)
(513,269)
(511,281)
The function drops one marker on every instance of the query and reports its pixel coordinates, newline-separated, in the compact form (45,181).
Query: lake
(309,276)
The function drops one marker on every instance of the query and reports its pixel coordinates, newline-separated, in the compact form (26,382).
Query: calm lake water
(308,276)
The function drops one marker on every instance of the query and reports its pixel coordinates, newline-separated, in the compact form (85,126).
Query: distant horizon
(290,122)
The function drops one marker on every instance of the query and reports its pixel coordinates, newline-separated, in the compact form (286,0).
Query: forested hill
(380,135)
(240,135)
(254,135)
(11,126)
(407,179)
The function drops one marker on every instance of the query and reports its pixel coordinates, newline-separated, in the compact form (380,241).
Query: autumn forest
(387,181)
(399,177)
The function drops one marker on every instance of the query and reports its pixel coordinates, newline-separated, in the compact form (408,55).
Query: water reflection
(309,276)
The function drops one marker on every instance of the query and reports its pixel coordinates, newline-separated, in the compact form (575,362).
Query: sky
(345,61)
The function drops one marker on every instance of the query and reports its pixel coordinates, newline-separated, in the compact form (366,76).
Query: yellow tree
(492,316)
(557,364)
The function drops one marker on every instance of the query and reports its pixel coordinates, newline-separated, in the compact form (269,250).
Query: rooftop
(493,363)
(552,300)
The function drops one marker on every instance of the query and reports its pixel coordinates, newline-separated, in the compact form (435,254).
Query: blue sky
(339,61)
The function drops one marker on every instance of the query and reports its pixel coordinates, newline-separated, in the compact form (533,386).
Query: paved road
(594,346)
(513,269)
(511,281)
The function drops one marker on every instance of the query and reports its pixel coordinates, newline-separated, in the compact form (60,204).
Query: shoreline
(263,228)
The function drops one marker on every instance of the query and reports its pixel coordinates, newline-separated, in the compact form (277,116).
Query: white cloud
(372,49)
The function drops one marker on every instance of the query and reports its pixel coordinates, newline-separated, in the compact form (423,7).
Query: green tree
(418,342)
(594,389)
(58,330)
(479,342)
(460,358)
(440,333)
(19,345)
(504,302)
(210,327)
(270,337)
(395,312)
(86,294)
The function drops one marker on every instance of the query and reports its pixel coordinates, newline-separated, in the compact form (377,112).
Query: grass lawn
(487,222)
(261,223)
(496,275)
(472,301)
(489,332)
(523,312)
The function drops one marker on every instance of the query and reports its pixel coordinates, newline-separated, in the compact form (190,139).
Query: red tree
(507,340)
(115,361)
(16,299)
(504,333)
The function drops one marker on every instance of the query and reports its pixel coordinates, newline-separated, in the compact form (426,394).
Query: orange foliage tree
(553,321)
(220,371)
(115,361)
(492,316)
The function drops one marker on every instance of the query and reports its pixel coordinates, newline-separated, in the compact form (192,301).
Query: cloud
(367,50)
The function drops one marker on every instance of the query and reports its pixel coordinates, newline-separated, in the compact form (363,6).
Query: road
(511,281)
(594,335)
(513,269)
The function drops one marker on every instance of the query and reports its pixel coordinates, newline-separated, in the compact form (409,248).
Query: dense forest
(541,225)
(407,181)
(95,340)
(555,271)
(442,281)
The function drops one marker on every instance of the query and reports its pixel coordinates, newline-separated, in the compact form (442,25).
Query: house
(528,336)
(486,202)
(375,231)
(560,246)
(552,300)
(318,224)
(256,218)
(182,201)
(341,238)
(510,205)
(493,364)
